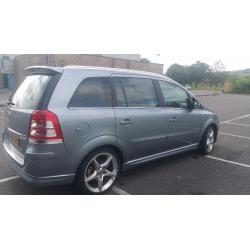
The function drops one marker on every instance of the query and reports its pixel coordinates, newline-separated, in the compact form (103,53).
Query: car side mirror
(190,104)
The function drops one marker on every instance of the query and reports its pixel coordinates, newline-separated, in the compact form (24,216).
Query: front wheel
(208,140)
(98,172)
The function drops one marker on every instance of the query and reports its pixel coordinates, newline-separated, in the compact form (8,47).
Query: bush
(241,85)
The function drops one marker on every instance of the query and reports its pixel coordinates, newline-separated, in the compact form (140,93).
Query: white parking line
(240,117)
(1,111)
(119,191)
(9,179)
(238,136)
(240,124)
(231,162)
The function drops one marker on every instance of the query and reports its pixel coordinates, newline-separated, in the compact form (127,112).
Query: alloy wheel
(210,140)
(101,172)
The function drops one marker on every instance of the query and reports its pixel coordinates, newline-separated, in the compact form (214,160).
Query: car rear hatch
(34,93)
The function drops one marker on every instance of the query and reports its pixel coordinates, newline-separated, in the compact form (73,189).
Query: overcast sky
(181,31)
(206,31)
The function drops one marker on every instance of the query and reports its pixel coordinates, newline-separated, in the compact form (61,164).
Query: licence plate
(15,141)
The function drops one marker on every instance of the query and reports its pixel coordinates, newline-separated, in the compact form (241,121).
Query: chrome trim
(24,137)
(138,107)
(150,157)
(113,107)
(53,176)
(164,108)
(89,108)
(19,159)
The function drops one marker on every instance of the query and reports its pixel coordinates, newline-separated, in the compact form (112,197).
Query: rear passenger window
(139,92)
(93,92)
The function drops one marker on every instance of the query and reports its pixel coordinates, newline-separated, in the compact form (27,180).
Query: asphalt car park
(225,171)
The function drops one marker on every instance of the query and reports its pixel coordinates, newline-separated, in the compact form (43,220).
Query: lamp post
(158,58)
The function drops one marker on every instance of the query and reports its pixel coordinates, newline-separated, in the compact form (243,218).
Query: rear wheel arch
(115,148)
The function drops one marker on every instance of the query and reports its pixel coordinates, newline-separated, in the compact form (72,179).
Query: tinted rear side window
(139,92)
(93,92)
(29,94)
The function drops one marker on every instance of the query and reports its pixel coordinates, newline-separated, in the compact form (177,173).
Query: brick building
(127,61)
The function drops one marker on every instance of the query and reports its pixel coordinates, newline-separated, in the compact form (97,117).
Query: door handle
(126,121)
(173,119)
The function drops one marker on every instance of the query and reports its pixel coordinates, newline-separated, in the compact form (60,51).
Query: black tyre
(98,172)
(207,143)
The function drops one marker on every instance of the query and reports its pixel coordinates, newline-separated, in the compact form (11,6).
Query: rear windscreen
(29,94)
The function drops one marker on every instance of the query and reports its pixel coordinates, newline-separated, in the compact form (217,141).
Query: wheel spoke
(97,164)
(107,162)
(91,177)
(100,182)
(109,173)
(211,135)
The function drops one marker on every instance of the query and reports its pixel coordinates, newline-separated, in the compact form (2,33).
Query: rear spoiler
(43,70)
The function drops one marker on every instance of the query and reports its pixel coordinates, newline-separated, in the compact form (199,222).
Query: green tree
(199,72)
(218,66)
(178,73)
(217,74)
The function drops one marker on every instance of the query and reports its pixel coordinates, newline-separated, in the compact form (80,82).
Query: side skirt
(158,156)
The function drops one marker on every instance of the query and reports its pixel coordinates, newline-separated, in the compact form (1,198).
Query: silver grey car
(83,125)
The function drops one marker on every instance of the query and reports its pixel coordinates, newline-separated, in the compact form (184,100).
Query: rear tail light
(44,128)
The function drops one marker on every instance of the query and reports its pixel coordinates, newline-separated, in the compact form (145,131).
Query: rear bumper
(39,181)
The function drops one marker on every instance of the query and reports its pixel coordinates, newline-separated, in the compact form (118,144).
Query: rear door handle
(173,119)
(126,121)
